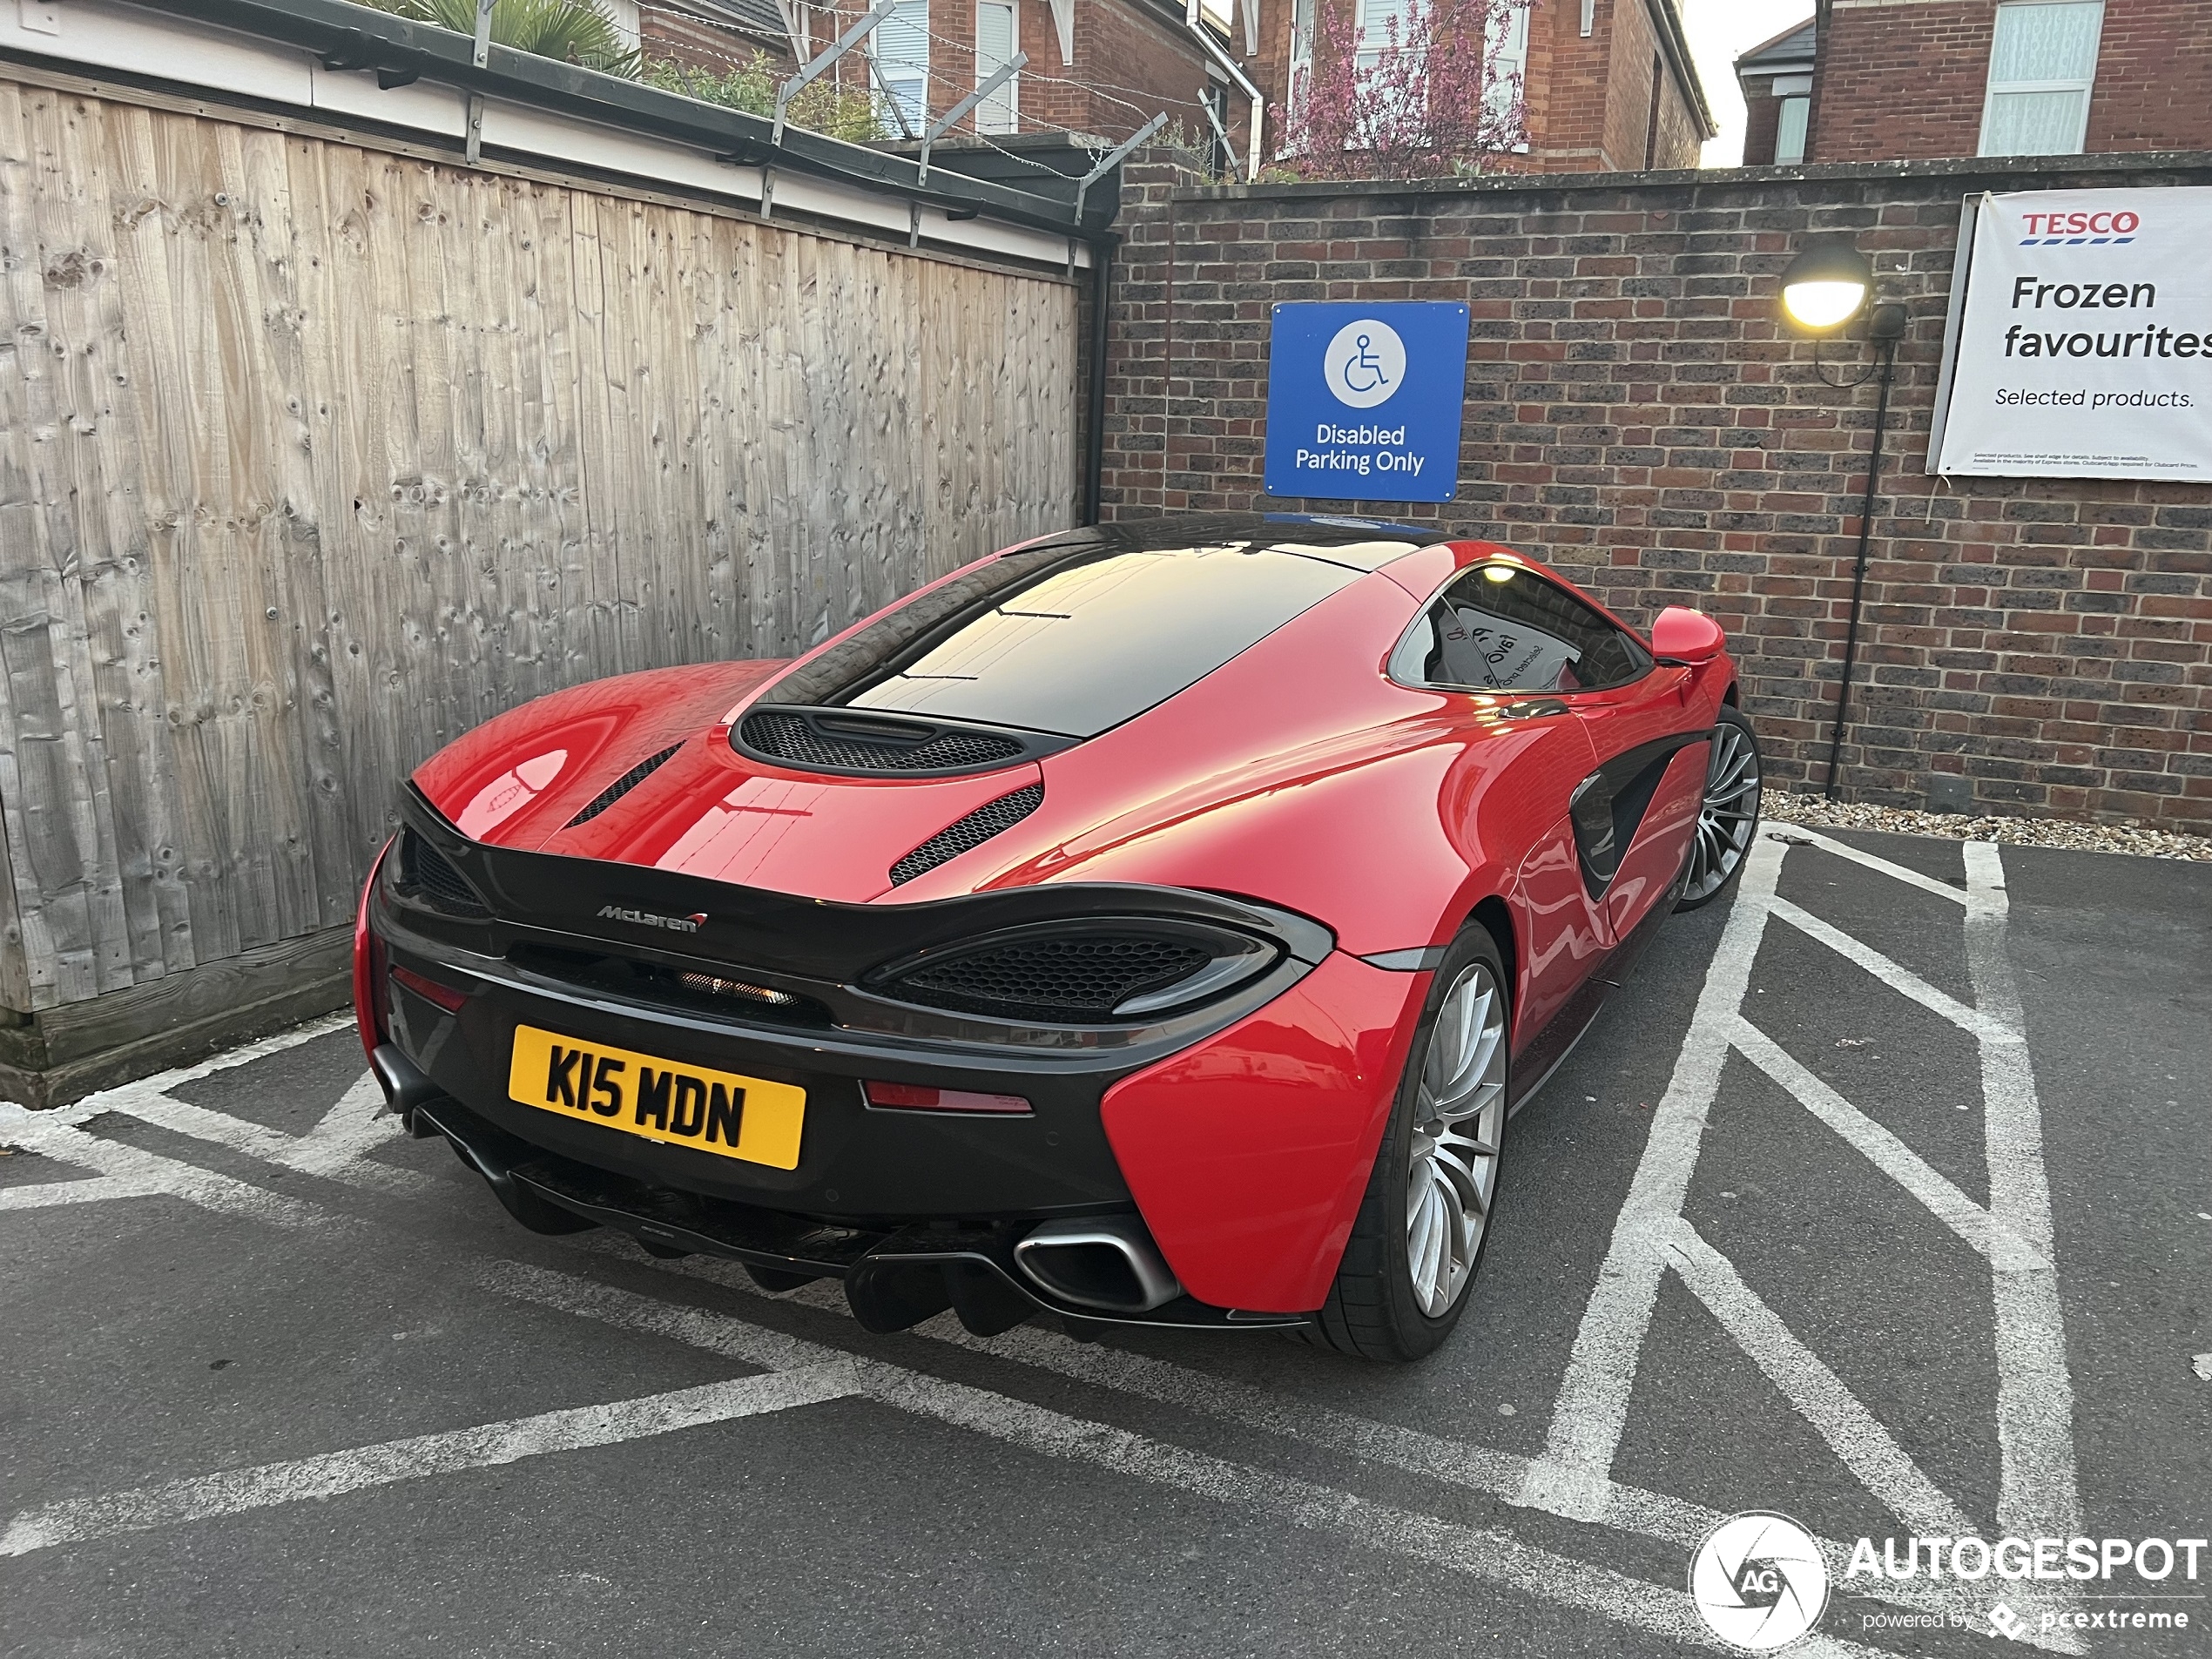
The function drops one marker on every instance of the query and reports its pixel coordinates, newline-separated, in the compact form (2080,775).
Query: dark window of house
(1500,628)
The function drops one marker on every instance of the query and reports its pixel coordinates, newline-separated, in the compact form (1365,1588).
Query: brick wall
(1907,79)
(1588,98)
(1636,417)
(1761,120)
(1130,63)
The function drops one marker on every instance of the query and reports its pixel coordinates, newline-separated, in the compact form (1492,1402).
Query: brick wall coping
(2015,172)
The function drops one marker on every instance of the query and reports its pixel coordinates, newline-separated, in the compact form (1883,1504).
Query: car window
(1500,628)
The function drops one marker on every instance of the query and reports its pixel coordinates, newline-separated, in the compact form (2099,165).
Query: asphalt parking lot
(1804,1226)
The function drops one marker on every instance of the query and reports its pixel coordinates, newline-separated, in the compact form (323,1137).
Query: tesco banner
(2083,348)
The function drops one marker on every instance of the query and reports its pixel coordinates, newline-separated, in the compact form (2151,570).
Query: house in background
(1914,79)
(1607,85)
(1776,77)
(1098,69)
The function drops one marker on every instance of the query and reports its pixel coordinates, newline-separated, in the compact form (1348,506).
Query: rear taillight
(369,964)
(444,996)
(920,1097)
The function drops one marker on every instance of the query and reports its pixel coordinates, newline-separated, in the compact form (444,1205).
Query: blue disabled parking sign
(1364,399)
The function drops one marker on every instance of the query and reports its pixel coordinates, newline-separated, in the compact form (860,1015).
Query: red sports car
(1153,923)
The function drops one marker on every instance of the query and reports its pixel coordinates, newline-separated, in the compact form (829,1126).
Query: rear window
(1074,637)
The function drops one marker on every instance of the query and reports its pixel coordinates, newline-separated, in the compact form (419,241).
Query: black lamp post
(1824,290)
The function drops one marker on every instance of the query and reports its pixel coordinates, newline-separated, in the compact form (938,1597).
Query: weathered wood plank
(471,438)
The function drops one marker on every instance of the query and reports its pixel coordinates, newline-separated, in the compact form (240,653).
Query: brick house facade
(1636,416)
(1776,78)
(1915,78)
(1607,85)
(1116,64)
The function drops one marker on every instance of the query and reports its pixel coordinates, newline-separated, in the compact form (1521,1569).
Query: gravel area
(2127,837)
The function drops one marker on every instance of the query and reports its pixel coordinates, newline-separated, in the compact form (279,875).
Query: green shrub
(574,32)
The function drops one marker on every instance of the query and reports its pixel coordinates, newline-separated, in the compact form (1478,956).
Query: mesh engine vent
(790,738)
(974,830)
(622,785)
(423,866)
(1080,977)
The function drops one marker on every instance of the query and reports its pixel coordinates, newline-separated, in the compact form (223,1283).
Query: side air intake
(425,870)
(974,830)
(622,785)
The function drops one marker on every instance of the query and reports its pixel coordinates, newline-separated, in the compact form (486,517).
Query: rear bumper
(1233,1142)
(892,1277)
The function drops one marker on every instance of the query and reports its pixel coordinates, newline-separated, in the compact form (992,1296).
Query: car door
(1510,629)
(1633,814)
(1536,753)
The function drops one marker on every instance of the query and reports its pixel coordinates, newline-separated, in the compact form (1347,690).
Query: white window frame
(1802,103)
(1507,53)
(1005,104)
(1302,14)
(905,78)
(1366,56)
(2085,84)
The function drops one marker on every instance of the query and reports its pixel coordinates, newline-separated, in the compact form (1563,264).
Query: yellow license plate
(721,1112)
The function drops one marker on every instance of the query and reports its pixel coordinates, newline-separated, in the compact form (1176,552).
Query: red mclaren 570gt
(1156,923)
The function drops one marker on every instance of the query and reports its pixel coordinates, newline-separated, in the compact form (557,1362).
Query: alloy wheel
(1459,1120)
(1729,812)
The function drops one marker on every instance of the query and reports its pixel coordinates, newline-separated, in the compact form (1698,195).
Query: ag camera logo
(1758,1582)
(1364,364)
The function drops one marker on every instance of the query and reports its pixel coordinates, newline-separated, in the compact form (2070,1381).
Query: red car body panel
(1297,774)
(1290,1101)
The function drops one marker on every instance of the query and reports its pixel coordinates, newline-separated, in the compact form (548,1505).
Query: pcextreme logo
(689,924)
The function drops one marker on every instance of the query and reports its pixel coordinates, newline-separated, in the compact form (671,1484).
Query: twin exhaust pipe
(1106,1262)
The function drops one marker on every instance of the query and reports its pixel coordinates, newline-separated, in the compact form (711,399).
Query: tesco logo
(2044,229)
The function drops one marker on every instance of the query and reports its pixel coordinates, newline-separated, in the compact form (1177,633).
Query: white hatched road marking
(1478,1552)
(2004,1249)
(1571,1477)
(1864,1445)
(1795,833)
(1897,977)
(328,1474)
(2037,1491)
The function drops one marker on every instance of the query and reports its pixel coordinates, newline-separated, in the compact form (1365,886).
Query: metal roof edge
(361,38)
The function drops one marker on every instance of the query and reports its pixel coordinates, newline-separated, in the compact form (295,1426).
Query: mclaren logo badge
(646,918)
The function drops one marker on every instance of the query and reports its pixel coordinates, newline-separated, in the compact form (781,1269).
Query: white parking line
(1480,1553)
(329,1473)
(1881,865)
(1866,1448)
(46,1195)
(2037,1495)
(50,1133)
(1571,1477)
(2004,1248)
(1893,974)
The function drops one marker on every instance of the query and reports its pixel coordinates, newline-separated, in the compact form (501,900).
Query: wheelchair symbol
(1364,364)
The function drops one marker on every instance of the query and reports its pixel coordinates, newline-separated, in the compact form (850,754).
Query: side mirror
(1686,637)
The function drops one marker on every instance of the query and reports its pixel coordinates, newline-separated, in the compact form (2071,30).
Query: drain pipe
(1101,262)
(1102,290)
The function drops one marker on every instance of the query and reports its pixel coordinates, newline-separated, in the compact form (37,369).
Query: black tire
(1372,1311)
(1732,824)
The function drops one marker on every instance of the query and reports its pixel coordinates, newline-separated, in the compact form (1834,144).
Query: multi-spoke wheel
(1459,1118)
(1729,815)
(1419,1234)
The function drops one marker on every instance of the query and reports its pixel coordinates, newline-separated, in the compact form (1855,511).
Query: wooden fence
(313,456)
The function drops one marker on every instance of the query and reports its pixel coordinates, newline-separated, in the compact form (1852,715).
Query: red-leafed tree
(1426,98)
